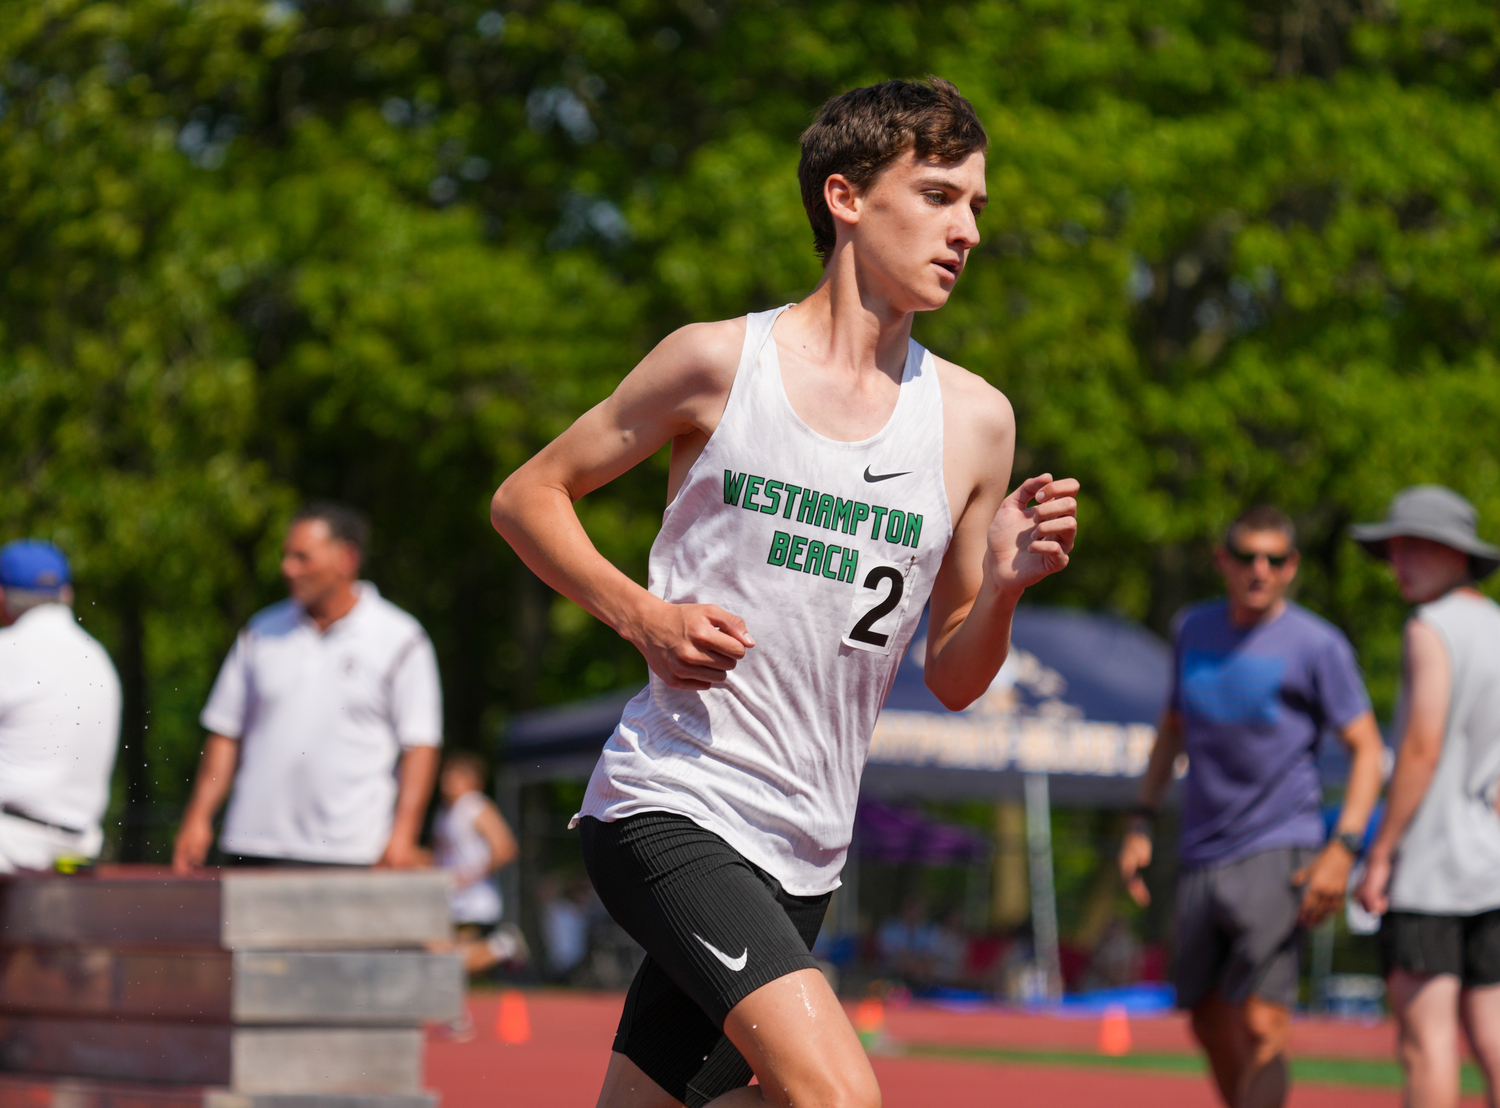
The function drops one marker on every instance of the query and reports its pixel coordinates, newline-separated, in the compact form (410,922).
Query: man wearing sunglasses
(1258,680)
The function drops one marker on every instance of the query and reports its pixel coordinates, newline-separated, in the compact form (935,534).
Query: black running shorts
(1237,930)
(1468,947)
(715,928)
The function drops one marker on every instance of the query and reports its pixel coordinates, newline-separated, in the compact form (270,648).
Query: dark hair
(860,132)
(344,523)
(1262,517)
(467,760)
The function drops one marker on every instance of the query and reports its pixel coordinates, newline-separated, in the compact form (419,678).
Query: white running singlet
(828,551)
(460,849)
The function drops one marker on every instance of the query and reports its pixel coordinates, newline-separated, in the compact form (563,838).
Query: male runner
(1257,681)
(827,475)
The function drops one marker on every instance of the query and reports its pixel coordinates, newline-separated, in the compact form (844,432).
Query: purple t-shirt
(1253,702)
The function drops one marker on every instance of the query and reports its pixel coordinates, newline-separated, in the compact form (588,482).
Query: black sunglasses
(1247,557)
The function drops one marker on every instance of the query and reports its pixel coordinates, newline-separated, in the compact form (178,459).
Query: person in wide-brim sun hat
(1435,513)
(1433,871)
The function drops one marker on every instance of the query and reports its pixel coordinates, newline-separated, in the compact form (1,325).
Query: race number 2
(879,602)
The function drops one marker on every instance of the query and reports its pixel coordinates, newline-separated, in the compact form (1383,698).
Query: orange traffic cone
(512,1023)
(869,1021)
(1114,1031)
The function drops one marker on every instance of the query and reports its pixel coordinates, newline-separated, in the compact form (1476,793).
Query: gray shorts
(1237,931)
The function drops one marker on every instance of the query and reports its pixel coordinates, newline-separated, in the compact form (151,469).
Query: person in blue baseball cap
(35,566)
(59,715)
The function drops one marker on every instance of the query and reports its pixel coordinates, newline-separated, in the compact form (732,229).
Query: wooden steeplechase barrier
(251,988)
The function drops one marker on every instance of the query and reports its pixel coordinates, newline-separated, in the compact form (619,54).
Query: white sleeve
(224,714)
(417,697)
(9,648)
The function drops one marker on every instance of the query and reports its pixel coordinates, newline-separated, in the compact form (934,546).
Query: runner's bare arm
(677,394)
(1001,544)
(416,771)
(1135,848)
(1362,789)
(1428,685)
(216,766)
(497,836)
(1325,880)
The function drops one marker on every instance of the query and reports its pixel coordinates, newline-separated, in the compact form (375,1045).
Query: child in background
(471,842)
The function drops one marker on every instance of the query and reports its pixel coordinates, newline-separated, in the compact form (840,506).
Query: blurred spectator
(1021,978)
(950,950)
(1116,958)
(987,955)
(566,917)
(1257,681)
(471,842)
(908,943)
(1433,871)
(326,716)
(1153,962)
(1073,964)
(613,958)
(59,715)
(586,948)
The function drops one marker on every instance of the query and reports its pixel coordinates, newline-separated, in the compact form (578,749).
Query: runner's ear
(840,195)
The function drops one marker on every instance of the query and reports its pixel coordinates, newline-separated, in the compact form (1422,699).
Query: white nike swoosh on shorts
(735,964)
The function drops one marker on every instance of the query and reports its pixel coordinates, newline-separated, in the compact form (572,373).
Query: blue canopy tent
(1070,716)
(1078,700)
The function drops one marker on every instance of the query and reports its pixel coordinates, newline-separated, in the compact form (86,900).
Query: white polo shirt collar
(364,592)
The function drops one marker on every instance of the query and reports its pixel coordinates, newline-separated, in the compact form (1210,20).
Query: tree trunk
(136,820)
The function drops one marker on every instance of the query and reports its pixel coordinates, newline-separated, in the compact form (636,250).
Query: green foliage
(383,249)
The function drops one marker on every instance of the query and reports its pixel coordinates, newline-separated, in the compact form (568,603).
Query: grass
(1367,1072)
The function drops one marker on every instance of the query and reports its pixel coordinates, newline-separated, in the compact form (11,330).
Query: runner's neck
(844,325)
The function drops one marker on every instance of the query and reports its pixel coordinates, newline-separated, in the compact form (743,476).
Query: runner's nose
(965,234)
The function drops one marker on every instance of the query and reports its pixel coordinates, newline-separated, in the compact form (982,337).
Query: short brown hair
(860,132)
(468,761)
(345,524)
(1262,517)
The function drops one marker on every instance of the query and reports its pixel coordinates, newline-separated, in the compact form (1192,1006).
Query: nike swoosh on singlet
(735,964)
(873,477)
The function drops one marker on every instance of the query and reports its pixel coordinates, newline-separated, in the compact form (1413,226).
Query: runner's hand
(402,853)
(1326,879)
(189,850)
(692,646)
(1135,855)
(1372,890)
(1027,542)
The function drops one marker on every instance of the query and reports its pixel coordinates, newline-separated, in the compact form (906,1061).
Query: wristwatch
(1354,844)
(1140,821)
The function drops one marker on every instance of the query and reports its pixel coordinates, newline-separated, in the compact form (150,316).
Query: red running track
(1166,1034)
(564,1060)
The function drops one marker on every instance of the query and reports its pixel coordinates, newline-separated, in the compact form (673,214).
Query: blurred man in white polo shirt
(326,717)
(59,715)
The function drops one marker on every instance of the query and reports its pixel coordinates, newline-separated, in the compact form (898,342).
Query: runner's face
(917,224)
(315,564)
(1425,570)
(1256,585)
